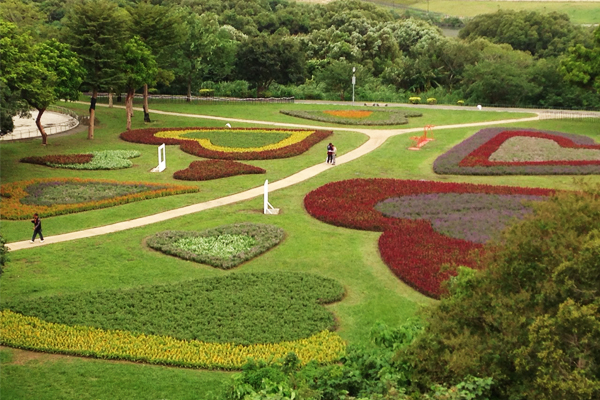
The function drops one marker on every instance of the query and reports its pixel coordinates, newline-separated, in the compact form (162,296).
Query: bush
(414,100)
(431,101)
(460,102)
(207,92)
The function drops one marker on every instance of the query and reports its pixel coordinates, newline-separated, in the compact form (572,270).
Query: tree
(265,59)
(582,66)
(139,67)
(531,319)
(97,31)
(337,77)
(60,75)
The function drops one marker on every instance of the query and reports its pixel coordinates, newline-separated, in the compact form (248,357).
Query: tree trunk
(38,122)
(342,95)
(92,114)
(110,99)
(146,114)
(129,107)
(189,92)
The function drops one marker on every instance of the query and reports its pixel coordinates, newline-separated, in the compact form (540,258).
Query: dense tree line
(281,48)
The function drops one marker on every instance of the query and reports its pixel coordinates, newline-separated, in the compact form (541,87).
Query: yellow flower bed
(31,333)
(295,137)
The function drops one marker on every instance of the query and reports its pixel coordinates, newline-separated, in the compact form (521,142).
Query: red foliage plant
(214,169)
(481,155)
(193,147)
(59,159)
(412,249)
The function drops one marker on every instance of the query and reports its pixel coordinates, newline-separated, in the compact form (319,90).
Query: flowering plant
(214,169)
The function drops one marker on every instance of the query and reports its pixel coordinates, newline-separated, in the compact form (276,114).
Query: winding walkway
(376,139)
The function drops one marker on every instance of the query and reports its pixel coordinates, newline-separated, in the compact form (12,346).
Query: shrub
(207,92)
(414,100)
(431,101)
(265,236)
(214,169)
(460,102)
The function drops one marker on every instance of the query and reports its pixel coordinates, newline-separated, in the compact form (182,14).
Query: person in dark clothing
(329,153)
(37,227)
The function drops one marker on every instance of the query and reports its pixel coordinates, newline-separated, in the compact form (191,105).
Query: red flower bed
(192,147)
(59,159)
(215,169)
(411,248)
(481,155)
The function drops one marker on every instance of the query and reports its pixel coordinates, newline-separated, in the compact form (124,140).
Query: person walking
(37,228)
(329,153)
(333,154)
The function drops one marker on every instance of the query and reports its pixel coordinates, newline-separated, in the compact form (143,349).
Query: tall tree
(163,31)
(337,77)
(582,66)
(97,31)
(60,76)
(139,67)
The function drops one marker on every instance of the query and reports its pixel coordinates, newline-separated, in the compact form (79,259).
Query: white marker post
(162,159)
(267,207)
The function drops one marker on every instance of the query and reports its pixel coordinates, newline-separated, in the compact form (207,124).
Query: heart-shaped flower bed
(416,218)
(214,169)
(232,143)
(502,151)
(96,160)
(224,247)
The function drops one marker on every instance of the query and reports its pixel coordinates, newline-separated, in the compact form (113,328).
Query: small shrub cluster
(379,117)
(472,156)
(97,160)
(460,102)
(214,169)
(31,333)
(238,308)
(291,147)
(412,248)
(414,100)
(45,196)
(431,101)
(265,237)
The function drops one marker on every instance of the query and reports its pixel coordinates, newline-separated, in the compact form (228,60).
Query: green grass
(122,260)
(579,12)
(244,139)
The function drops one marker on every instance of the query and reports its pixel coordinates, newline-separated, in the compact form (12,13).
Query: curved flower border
(32,333)
(412,249)
(148,136)
(215,169)
(12,193)
(471,157)
(397,117)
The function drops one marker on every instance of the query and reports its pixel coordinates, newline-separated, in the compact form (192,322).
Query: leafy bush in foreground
(238,308)
(31,333)
(265,237)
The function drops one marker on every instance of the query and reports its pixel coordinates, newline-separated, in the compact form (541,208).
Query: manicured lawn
(122,260)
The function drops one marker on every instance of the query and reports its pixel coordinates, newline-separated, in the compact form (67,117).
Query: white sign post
(162,159)
(267,207)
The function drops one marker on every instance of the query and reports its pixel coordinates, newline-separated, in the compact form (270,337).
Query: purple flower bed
(448,163)
(476,217)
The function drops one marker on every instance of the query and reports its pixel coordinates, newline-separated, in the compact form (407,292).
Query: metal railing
(103,97)
(569,115)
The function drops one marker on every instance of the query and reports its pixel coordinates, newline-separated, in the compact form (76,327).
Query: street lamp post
(353,83)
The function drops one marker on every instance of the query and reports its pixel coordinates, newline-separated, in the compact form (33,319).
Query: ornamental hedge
(300,141)
(97,160)
(474,156)
(214,169)
(31,333)
(356,117)
(58,196)
(410,245)
(174,243)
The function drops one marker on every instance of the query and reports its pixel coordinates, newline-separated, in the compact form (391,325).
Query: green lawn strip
(28,375)
(107,138)
(240,308)
(242,139)
(270,112)
(579,12)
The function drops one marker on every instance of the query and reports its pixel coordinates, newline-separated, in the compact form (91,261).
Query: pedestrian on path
(37,228)
(329,153)
(333,154)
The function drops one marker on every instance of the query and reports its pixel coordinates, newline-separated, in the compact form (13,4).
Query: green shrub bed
(239,308)
(96,160)
(215,169)
(224,247)
(372,117)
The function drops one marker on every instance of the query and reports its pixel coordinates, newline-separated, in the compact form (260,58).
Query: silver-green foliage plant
(223,247)
(106,159)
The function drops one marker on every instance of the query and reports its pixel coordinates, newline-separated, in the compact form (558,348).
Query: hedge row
(471,157)
(31,333)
